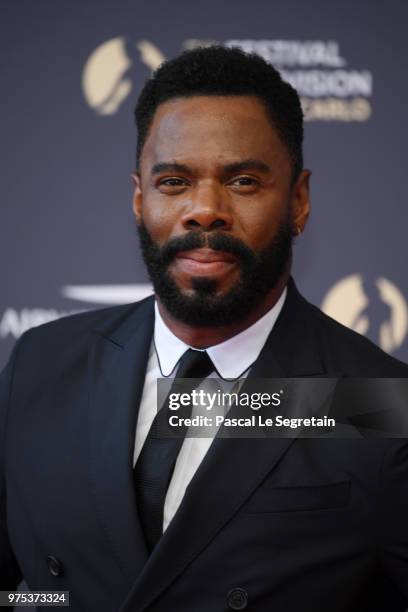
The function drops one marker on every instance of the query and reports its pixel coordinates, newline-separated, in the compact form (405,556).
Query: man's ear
(300,202)
(137,196)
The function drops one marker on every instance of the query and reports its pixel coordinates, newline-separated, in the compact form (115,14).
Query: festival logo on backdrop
(329,89)
(372,307)
(107,77)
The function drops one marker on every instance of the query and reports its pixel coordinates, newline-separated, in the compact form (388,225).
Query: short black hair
(225,71)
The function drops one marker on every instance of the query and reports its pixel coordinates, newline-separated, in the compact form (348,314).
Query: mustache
(197,240)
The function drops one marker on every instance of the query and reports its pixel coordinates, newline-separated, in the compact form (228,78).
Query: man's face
(216,207)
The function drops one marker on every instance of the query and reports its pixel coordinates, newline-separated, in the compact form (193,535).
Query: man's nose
(208,210)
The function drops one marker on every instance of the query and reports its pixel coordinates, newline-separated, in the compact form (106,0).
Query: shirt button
(237,599)
(55,566)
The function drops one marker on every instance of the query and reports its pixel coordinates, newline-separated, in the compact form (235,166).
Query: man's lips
(206,255)
(205,261)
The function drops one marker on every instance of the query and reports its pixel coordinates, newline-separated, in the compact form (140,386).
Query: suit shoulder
(74,329)
(355,354)
(80,321)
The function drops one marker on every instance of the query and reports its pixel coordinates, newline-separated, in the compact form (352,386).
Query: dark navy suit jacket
(297,524)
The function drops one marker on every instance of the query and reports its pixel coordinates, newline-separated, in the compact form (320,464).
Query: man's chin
(197,311)
(202,304)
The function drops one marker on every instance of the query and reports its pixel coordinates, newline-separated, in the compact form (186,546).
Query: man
(258,524)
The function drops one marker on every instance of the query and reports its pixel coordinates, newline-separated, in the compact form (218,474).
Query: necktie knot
(194,364)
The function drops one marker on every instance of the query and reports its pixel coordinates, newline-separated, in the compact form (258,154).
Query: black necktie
(155,464)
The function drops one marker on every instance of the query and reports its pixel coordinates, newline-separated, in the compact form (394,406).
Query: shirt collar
(231,358)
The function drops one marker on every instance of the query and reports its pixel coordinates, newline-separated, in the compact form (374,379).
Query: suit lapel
(117,366)
(233,468)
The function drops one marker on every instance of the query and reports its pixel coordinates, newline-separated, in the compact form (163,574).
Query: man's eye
(244,181)
(172,182)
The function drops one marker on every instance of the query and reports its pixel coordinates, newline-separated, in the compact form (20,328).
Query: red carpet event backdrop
(71,72)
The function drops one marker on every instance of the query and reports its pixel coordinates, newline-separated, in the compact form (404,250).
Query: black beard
(260,272)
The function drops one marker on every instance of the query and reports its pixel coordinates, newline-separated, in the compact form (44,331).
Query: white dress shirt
(232,359)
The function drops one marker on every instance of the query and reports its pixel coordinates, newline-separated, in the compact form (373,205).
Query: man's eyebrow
(169,167)
(247,164)
(231,168)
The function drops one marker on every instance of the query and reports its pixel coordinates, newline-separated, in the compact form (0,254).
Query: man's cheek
(158,221)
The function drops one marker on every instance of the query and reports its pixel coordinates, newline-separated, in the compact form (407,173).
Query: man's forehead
(212,108)
(228,127)
(213,100)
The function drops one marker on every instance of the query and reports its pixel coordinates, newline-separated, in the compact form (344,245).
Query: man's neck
(203,337)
